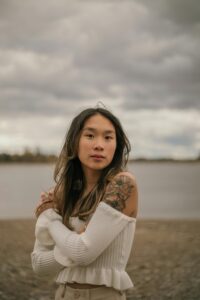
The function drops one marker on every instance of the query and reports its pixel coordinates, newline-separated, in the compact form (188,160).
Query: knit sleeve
(44,242)
(105,224)
(43,261)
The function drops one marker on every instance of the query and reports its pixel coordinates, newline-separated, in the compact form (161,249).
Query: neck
(92,177)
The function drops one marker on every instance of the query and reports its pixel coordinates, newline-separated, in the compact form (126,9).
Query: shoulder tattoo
(118,192)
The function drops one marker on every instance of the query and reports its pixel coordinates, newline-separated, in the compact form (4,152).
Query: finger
(50,197)
(43,195)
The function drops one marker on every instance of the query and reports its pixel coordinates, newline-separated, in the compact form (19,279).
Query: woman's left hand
(46,201)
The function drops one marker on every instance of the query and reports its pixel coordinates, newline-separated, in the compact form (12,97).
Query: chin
(98,167)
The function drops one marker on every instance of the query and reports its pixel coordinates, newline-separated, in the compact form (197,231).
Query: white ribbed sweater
(100,253)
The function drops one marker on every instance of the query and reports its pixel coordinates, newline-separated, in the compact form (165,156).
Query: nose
(98,145)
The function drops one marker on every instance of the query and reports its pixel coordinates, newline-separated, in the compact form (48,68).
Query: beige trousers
(65,292)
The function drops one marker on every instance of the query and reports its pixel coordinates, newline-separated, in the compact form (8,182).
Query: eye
(108,137)
(89,135)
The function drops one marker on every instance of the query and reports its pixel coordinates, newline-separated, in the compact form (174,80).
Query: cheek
(112,149)
(80,147)
(83,146)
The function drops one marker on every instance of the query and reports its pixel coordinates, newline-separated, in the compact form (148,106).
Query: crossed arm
(117,209)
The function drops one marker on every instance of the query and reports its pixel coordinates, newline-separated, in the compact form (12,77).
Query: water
(166,190)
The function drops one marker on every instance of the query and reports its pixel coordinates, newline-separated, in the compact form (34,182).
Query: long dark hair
(69,177)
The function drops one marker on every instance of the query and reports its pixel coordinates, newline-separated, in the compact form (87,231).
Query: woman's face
(97,143)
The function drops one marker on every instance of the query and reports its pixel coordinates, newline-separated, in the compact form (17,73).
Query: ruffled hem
(108,277)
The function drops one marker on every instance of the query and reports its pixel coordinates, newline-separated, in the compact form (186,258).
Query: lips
(97,156)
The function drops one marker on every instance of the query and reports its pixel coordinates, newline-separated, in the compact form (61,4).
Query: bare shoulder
(126,176)
(121,193)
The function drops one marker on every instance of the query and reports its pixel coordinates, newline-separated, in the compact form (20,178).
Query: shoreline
(131,161)
(161,219)
(164,261)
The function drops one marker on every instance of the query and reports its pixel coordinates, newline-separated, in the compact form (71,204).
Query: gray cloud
(80,51)
(57,56)
(181,12)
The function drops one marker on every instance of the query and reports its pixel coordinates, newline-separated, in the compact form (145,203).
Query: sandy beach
(164,263)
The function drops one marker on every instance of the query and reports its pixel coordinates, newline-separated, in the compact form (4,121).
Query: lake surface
(166,190)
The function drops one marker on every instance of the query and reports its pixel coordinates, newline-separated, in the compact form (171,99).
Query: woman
(85,227)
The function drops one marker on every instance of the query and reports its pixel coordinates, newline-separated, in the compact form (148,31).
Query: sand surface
(164,263)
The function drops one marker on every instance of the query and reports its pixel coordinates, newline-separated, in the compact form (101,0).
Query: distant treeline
(38,157)
(164,159)
(27,157)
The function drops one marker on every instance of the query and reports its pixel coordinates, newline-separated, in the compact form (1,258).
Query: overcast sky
(140,58)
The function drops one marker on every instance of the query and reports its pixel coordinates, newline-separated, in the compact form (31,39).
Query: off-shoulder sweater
(97,256)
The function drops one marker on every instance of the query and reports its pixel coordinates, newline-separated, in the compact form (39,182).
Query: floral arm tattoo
(118,192)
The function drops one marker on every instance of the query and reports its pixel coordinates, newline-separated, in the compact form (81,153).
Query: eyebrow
(94,130)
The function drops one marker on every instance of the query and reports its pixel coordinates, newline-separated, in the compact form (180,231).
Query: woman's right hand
(82,229)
